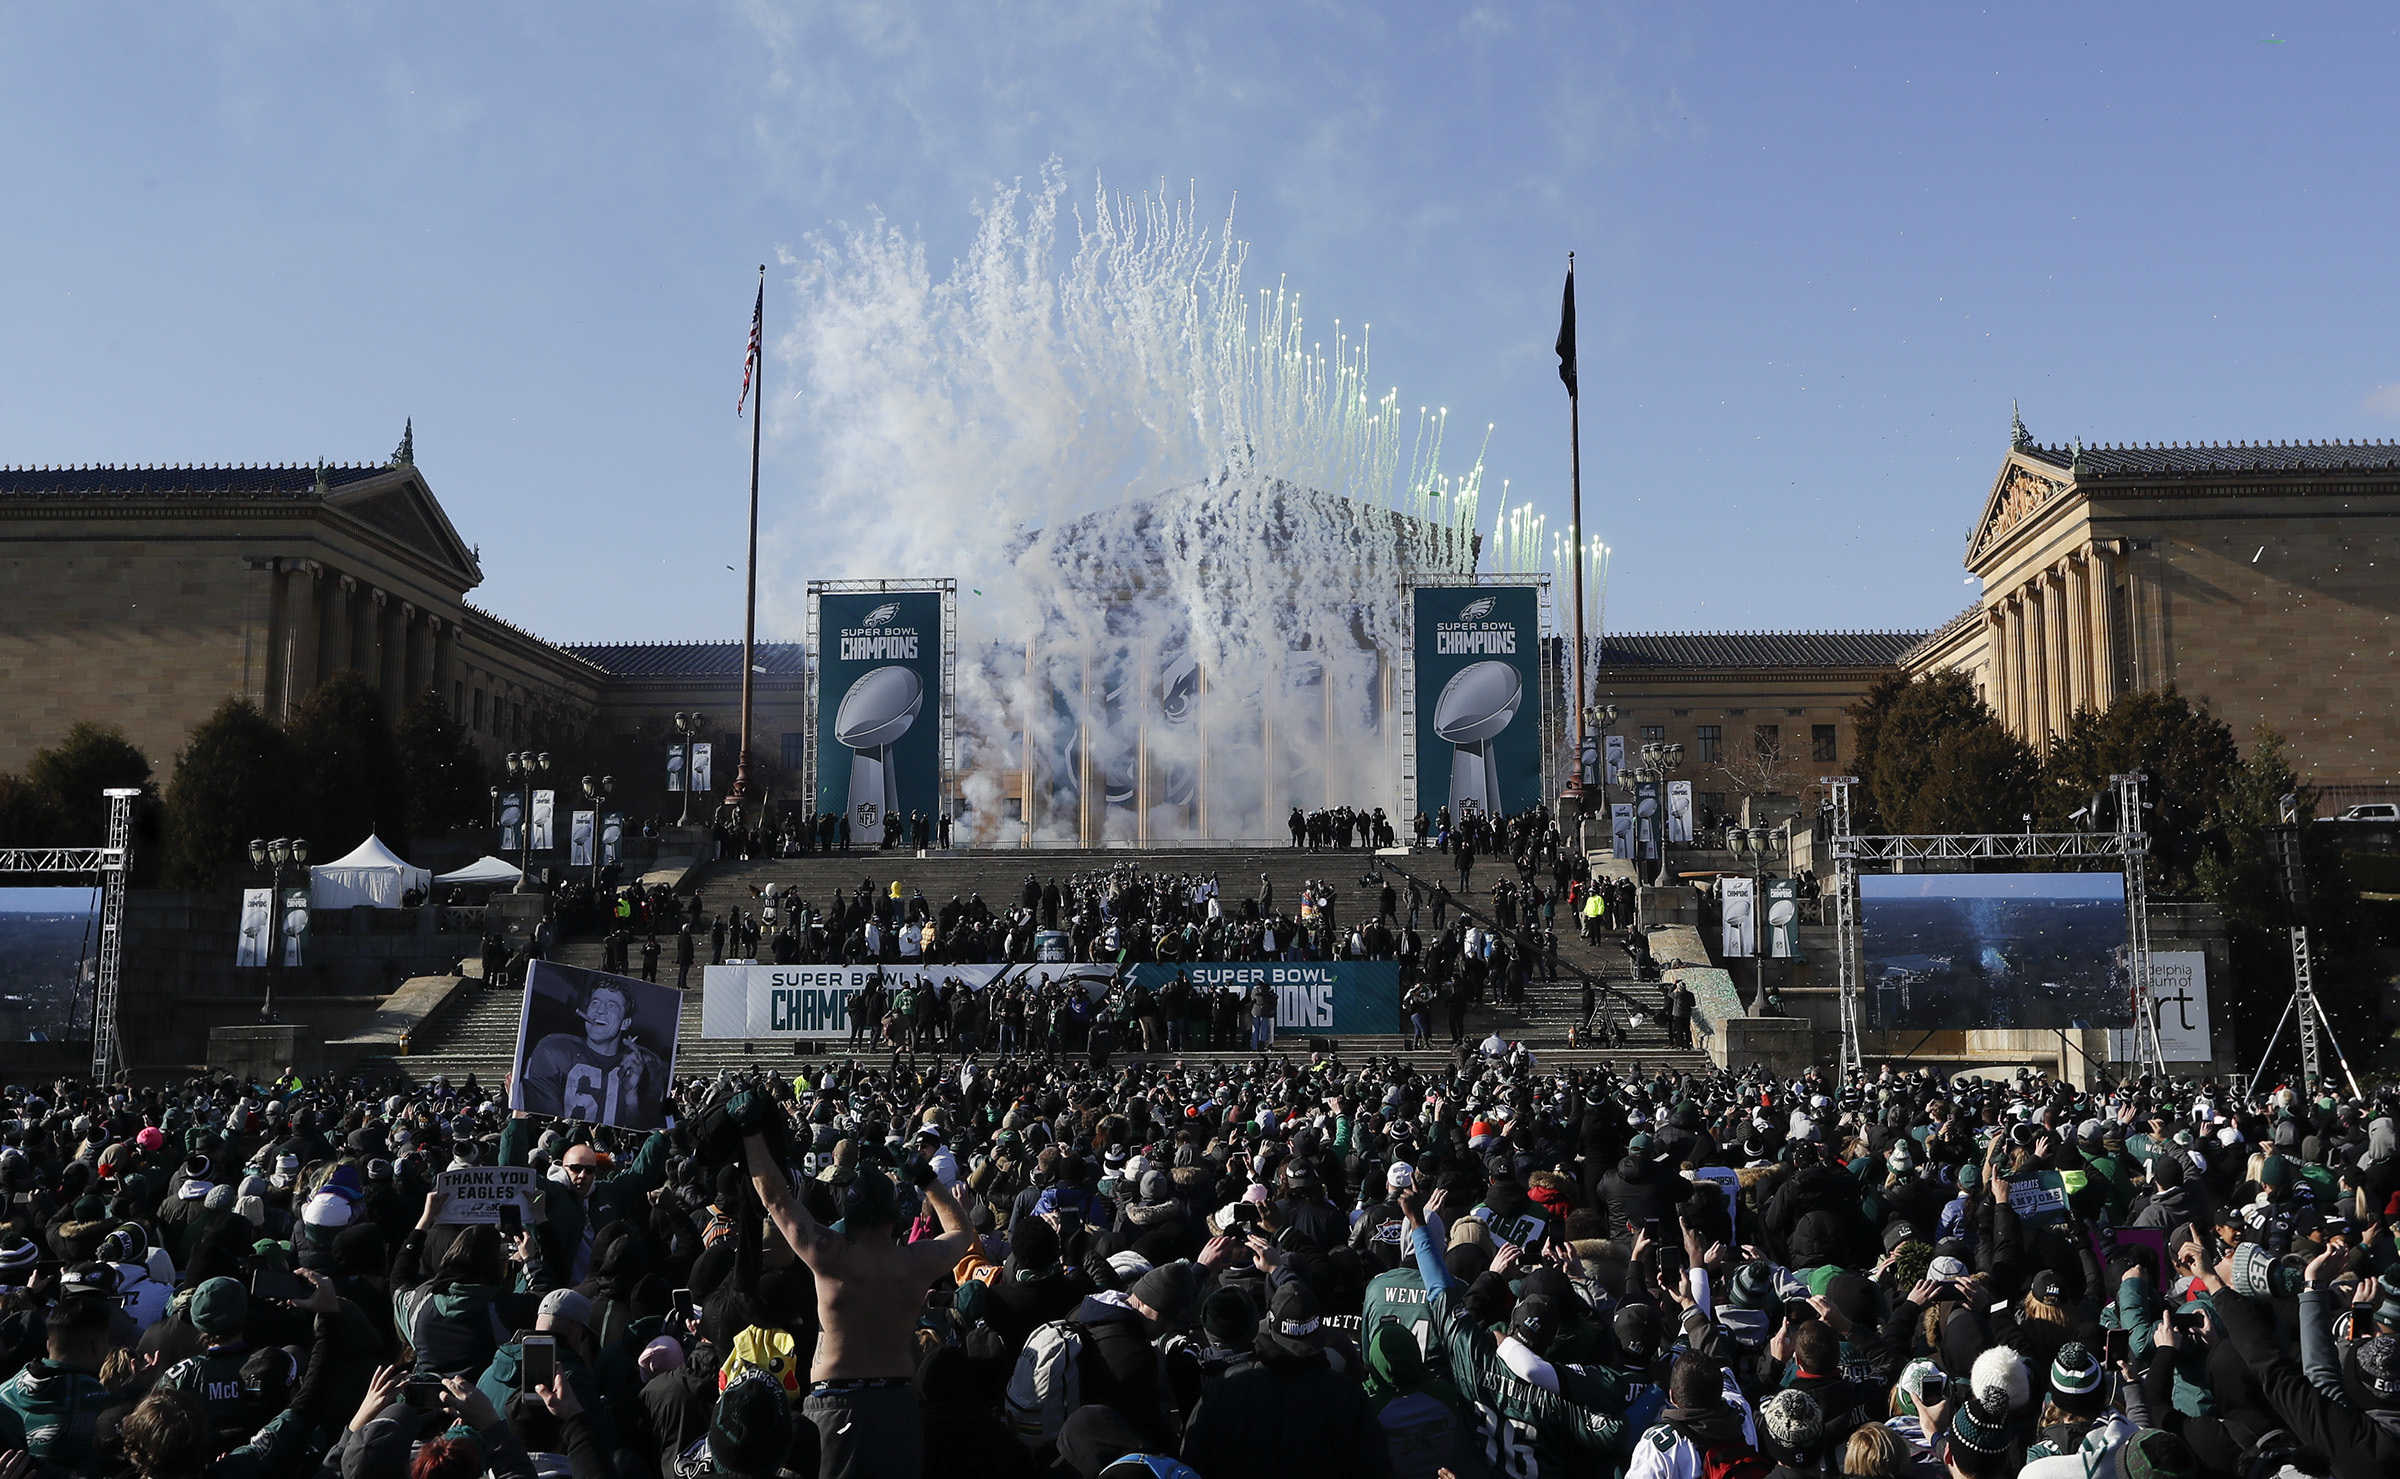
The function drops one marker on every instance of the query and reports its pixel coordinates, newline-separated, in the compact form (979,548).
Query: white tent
(372,874)
(484,870)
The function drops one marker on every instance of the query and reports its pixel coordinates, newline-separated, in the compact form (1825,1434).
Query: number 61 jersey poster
(595,1047)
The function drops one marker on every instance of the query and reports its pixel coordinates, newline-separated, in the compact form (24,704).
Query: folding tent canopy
(484,870)
(372,874)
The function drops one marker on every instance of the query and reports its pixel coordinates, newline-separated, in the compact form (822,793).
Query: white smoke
(1098,448)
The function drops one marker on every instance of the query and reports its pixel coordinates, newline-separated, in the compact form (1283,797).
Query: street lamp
(1756,844)
(1601,718)
(525,768)
(276,857)
(596,792)
(689,727)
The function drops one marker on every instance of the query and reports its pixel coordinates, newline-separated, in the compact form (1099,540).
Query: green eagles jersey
(1527,1431)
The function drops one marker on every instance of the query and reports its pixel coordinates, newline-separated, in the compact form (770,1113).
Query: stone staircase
(479,1036)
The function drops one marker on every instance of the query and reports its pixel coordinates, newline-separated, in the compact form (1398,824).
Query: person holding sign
(603,1075)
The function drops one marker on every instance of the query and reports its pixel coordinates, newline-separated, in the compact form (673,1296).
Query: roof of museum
(294,482)
(690,659)
(2217,459)
(1755,649)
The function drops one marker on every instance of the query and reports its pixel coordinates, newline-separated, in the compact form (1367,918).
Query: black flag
(1566,330)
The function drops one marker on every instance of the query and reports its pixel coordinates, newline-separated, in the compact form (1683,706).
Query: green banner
(1479,698)
(879,708)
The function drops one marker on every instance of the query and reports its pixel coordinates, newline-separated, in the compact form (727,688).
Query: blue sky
(1821,247)
(48,900)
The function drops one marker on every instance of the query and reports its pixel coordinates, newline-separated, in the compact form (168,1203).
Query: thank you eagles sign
(879,706)
(1478,698)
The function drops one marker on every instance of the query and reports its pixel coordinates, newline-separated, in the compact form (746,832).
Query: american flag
(758,319)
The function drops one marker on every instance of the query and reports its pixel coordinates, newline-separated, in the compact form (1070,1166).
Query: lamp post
(1755,844)
(688,728)
(1599,720)
(525,768)
(596,792)
(276,857)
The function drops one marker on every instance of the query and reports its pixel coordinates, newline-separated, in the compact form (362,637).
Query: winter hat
(1946,1270)
(1229,1316)
(2251,1262)
(219,1307)
(1637,1327)
(2379,1366)
(1400,1177)
(1534,1324)
(566,1304)
(251,1209)
(2000,1381)
(1979,1429)
(325,1209)
(220,1199)
(751,1429)
(2077,1378)
(1898,1233)
(1169,1289)
(150,1139)
(1793,1423)
(665,1354)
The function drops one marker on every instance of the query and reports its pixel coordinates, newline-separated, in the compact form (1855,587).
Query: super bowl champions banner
(1740,929)
(1679,811)
(1478,695)
(879,707)
(1620,828)
(1783,918)
(1616,759)
(545,804)
(702,780)
(579,840)
(812,1002)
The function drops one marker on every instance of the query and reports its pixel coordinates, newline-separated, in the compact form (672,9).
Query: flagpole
(1575,531)
(758,417)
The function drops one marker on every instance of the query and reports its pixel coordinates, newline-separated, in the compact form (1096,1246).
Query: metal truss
(114,864)
(2127,845)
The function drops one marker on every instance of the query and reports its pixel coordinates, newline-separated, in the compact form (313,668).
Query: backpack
(1734,1461)
(1047,1383)
(1420,1431)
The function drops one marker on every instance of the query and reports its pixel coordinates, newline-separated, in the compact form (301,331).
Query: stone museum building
(145,596)
(2262,580)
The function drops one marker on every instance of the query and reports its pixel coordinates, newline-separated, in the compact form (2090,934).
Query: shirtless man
(870,1292)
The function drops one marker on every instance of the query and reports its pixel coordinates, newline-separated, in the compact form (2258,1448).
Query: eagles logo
(1476,610)
(881,614)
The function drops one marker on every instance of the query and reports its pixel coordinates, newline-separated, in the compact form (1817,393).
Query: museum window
(458,702)
(1653,734)
(1712,743)
(1821,743)
(479,710)
(794,745)
(1767,739)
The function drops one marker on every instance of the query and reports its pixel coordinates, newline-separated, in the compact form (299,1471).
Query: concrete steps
(480,1035)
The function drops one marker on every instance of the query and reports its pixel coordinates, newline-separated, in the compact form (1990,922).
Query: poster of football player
(595,1047)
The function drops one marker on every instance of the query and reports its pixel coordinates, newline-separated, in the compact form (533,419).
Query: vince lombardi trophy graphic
(877,710)
(1476,704)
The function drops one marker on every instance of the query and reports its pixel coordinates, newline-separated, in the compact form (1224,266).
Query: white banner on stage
(813,1001)
(2179,985)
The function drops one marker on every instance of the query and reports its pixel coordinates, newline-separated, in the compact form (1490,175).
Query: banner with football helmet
(879,708)
(1479,698)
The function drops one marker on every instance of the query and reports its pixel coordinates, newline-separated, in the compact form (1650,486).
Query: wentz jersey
(567,1077)
(1527,1431)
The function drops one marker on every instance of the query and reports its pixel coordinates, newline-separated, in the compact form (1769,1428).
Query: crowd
(1026,1266)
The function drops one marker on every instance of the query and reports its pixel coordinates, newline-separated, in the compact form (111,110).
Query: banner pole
(1575,533)
(758,419)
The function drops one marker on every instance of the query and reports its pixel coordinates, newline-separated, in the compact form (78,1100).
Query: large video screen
(1995,950)
(49,952)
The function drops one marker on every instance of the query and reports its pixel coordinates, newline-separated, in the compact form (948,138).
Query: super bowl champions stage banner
(879,706)
(1477,661)
(812,1002)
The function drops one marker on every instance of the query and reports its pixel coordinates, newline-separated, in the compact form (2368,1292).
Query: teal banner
(1356,997)
(1479,699)
(879,708)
